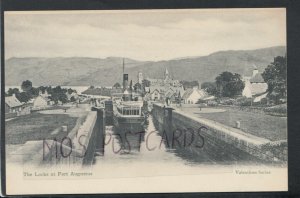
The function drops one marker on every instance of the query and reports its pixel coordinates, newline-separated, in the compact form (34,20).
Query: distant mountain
(105,72)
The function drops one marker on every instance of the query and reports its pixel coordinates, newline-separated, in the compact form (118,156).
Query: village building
(43,100)
(174,93)
(13,105)
(160,89)
(192,96)
(166,81)
(255,86)
(155,94)
(73,95)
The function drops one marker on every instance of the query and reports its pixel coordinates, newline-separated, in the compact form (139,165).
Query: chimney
(255,71)
(125,81)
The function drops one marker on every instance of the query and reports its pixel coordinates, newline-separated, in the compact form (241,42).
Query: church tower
(140,77)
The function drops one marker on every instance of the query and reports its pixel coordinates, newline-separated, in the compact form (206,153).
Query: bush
(201,101)
(264,101)
(226,101)
(212,103)
(243,101)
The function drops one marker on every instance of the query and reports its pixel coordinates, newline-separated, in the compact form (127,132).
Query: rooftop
(257,78)
(12,101)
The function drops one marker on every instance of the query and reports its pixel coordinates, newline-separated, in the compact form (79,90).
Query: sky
(141,34)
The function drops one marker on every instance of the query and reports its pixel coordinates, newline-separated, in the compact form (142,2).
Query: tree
(26,85)
(210,87)
(24,96)
(146,83)
(137,87)
(34,92)
(11,91)
(229,85)
(72,99)
(59,94)
(117,85)
(275,76)
(70,91)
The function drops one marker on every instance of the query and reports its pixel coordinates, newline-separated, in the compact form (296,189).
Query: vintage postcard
(145,101)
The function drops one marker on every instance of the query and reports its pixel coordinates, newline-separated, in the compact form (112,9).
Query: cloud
(143,35)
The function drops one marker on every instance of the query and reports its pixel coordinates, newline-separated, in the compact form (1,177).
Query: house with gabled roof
(254,85)
(192,96)
(13,105)
(42,101)
(156,93)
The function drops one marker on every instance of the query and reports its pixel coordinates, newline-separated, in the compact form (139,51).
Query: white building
(254,85)
(155,93)
(192,96)
(41,102)
(73,94)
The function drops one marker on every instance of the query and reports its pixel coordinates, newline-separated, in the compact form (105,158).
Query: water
(79,89)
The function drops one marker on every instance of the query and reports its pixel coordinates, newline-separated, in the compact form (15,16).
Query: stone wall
(79,148)
(215,142)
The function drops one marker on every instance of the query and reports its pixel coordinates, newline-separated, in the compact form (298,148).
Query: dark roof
(257,79)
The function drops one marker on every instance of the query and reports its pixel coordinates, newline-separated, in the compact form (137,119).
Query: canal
(149,153)
(146,144)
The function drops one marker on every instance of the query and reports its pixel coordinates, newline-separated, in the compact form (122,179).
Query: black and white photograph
(131,101)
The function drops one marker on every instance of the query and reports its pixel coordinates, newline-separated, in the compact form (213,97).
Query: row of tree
(28,92)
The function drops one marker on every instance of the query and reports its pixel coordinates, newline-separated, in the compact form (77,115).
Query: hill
(105,72)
